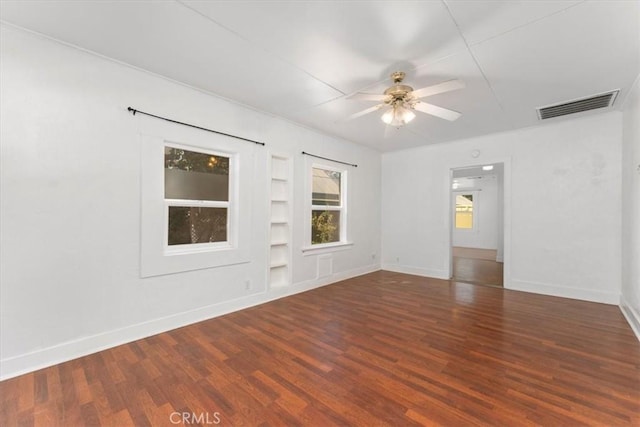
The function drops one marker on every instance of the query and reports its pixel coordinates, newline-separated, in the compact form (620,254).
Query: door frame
(506,212)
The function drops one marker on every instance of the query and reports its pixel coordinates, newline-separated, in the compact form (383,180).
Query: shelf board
(279,264)
(280,243)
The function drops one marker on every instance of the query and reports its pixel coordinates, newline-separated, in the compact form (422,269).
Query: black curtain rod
(134,111)
(331,160)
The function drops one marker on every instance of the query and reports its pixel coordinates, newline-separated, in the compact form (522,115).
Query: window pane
(189,225)
(325,226)
(326,187)
(464,211)
(195,176)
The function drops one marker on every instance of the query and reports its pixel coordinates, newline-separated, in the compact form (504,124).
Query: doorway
(477,224)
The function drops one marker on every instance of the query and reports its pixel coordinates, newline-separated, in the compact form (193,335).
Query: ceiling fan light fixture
(401,101)
(398,115)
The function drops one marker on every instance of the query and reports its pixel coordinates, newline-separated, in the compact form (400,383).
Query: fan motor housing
(398,91)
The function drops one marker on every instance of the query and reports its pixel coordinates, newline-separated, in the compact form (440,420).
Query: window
(328,214)
(464,211)
(196,192)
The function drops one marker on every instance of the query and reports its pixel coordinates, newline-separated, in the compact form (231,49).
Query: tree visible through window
(196,191)
(327,206)
(464,211)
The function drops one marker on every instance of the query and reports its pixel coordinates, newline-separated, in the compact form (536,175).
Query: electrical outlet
(373,256)
(247,284)
(398,260)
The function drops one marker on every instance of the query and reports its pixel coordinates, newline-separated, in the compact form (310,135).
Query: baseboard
(337,277)
(308,285)
(632,315)
(561,291)
(29,362)
(417,271)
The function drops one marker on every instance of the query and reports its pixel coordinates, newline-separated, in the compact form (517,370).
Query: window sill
(327,247)
(196,249)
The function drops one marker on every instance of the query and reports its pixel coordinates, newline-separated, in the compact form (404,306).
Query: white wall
(485,208)
(562,196)
(70,206)
(630,299)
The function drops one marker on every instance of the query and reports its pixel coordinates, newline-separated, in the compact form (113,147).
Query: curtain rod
(134,111)
(331,160)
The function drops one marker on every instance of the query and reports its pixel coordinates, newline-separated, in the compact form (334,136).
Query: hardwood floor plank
(82,392)
(285,397)
(90,415)
(25,393)
(121,418)
(433,418)
(47,415)
(380,349)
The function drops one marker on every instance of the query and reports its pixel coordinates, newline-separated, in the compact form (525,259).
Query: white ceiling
(299,60)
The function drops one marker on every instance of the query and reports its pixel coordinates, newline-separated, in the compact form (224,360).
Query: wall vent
(600,100)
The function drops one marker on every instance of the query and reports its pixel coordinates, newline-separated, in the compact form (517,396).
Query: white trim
(632,316)
(417,271)
(326,247)
(565,292)
(42,358)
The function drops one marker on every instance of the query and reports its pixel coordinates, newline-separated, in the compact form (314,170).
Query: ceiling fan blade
(367,97)
(439,88)
(363,112)
(434,110)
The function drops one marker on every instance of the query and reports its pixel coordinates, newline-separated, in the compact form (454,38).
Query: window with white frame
(328,205)
(465,210)
(196,192)
(196,195)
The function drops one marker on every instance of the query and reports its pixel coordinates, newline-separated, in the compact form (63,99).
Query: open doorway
(477,240)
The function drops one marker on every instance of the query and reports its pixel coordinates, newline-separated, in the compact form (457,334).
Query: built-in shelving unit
(280,222)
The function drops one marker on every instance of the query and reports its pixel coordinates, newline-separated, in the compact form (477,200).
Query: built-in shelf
(280,214)
(279,264)
(279,276)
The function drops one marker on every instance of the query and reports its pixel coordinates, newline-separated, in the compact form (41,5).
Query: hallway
(477,266)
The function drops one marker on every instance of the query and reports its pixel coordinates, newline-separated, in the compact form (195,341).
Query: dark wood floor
(381,349)
(477,266)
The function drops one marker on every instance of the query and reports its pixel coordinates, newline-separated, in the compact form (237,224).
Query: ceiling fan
(402,100)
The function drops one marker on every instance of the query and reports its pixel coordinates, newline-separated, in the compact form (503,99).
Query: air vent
(601,100)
